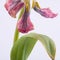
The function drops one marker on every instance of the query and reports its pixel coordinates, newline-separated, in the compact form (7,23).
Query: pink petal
(24,26)
(15,10)
(13,6)
(46,12)
(8,4)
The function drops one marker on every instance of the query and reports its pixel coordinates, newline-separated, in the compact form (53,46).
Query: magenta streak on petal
(24,25)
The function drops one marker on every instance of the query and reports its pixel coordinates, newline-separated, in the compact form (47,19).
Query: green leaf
(47,42)
(22,48)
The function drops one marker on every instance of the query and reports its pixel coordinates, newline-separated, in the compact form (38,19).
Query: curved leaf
(47,43)
(22,48)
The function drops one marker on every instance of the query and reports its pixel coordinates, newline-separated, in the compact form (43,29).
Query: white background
(50,27)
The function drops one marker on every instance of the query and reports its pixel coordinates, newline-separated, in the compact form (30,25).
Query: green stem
(53,58)
(16,35)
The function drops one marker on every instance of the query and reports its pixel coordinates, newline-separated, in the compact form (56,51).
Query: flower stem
(52,59)
(16,35)
(35,4)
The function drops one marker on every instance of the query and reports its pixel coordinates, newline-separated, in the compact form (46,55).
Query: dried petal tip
(24,25)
